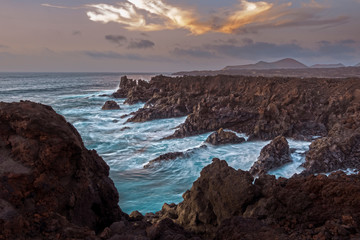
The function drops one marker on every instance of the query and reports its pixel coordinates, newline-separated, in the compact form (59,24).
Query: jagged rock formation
(110,105)
(340,150)
(224,203)
(224,137)
(51,185)
(261,107)
(273,155)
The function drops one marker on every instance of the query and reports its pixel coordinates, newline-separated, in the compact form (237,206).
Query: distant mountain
(287,63)
(357,65)
(339,65)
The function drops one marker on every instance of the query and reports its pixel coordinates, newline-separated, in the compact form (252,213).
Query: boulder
(220,193)
(224,137)
(50,183)
(110,105)
(274,155)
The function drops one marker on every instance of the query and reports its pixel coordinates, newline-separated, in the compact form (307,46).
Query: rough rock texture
(225,204)
(220,193)
(261,107)
(51,186)
(224,137)
(340,150)
(273,155)
(110,105)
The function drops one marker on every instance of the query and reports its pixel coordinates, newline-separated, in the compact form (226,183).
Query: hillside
(287,63)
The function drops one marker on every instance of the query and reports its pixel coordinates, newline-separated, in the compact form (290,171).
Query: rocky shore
(52,187)
(262,108)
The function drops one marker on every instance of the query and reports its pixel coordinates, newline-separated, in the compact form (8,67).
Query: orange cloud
(142,15)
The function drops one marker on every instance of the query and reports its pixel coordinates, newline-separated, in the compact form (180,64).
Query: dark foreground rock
(225,204)
(273,155)
(224,137)
(51,186)
(110,105)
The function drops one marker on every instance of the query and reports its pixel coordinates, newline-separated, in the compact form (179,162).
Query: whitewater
(127,147)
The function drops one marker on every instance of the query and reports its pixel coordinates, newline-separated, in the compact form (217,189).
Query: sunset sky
(169,35)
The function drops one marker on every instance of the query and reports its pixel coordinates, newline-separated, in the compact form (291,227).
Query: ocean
(127,147)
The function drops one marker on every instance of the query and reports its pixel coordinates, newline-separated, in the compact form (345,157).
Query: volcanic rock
(51,185)
(220,193)
(224,203)
(224,137)
(273,155)
(340,150)
(164,157)
(110,105)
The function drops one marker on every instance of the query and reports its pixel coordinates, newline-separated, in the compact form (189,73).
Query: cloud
(141,44)
(193,52)
(76,33)
(120,56)
(60,7)
(145,15)
(3,46)
(117,39)
(112,55)
(246,16)
(252,50)
(344,48)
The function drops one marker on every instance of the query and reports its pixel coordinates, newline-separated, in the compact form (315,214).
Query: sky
(169,35)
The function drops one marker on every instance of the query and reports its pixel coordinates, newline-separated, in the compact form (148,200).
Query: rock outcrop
(273,155)
(110,105)
(224,137)
(260,107)
(51,186)
(340,150)
(225,204)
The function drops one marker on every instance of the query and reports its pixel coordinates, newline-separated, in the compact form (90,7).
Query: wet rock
(110,105)
(50,183)
(340,150)
(164,157)
(273,155)
(224,137)
(124,128)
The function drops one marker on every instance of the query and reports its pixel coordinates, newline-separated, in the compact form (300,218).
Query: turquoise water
(77,96)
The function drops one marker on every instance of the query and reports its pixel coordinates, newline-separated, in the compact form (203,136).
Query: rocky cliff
(51,186)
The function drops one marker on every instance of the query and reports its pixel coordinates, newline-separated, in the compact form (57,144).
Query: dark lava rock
(50,184)
(110,105)
(273,155)
(258,106)
(225,204)
(340,150)
(134,91)
(164,157)
(220,193)
(224,137)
